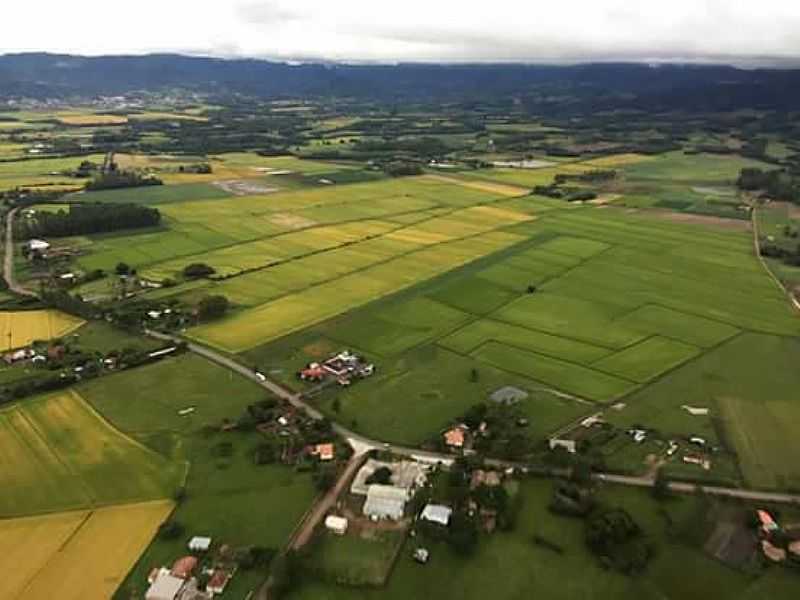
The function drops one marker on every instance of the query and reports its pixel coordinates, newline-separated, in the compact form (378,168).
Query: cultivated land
(20,328)
(59,454)
(76,555)
(639,304)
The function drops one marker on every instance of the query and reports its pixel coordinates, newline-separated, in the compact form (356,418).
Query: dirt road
(8,262)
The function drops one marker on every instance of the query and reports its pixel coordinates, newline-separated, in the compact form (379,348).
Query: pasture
(58,454)
(20,328)
(80,555)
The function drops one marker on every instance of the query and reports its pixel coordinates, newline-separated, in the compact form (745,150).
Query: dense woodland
(82,219)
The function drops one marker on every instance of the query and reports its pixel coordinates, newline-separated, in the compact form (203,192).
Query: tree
(661,490)
(170,530)
(122,268)
(197,270)
(212,307)
(324,478)
(474,376)
(463,536)
(381,475)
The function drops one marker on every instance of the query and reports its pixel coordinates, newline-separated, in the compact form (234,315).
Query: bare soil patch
(243,187)
(291,221)
(681,217)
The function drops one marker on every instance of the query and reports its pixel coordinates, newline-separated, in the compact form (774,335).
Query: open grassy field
(46,172)
(59,454)
(76,555)
(154,395)
(20,328)
(510,566)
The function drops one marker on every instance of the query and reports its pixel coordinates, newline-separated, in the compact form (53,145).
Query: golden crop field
(483,186)
(91,119)
(314,304)
(81,555)
(617,160)
(20,328)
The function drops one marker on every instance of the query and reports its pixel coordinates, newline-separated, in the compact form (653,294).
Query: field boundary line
(757,248)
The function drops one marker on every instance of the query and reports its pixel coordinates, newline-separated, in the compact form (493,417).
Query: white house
(199,543)
(165,586)
(337,525)
(437,513)
(568,445)
(37,245)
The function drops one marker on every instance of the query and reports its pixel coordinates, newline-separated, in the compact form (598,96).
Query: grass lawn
(148,398)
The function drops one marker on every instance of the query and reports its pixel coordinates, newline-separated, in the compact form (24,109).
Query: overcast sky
(418,30)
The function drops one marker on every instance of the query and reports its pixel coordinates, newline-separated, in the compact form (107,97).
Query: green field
(61,455)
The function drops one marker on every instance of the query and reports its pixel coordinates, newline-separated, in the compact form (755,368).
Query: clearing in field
(56,454)
(20,328)
(75,555)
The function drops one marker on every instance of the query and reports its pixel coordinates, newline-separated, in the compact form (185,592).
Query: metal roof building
(385,502)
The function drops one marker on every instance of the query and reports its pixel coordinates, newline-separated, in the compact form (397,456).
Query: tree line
(82,219)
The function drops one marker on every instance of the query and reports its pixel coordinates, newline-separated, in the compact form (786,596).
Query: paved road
(362,444)
(8,263)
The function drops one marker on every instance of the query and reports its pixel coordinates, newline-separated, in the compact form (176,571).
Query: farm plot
(317,303)
(58,454)
(76,555)
(20,328)
(748,386)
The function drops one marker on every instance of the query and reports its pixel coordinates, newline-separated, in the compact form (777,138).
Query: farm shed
(199,544)
(337,525)
(164,587)
(437,513)
(385,502)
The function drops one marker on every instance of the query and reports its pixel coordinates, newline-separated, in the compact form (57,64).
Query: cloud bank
(737,31)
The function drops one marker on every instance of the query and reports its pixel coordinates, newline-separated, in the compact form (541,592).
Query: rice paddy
(20,328)
(80,555)
(58,454)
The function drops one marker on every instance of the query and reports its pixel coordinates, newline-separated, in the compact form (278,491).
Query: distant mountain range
(41,75)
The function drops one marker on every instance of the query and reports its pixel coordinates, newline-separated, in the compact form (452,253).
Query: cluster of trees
(399,168)
(504,435)
(212,307)
(777,184)
(82,219)
(73,305)
(197,270)
(121,179)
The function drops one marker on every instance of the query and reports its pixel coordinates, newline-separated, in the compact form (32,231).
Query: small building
(437,513)
(454,438)
(768,524)
(480,477)
(385,502)
(336,524)
(218,581)
(772,552)
(184,567)
(324,451)
(37,245)
(164,586)
(570,446)
(199,544)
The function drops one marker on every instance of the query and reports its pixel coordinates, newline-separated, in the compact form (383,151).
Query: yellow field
(503,189)
(80,555)
(319,302)
(27,326)
(84,119)
(617,160)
